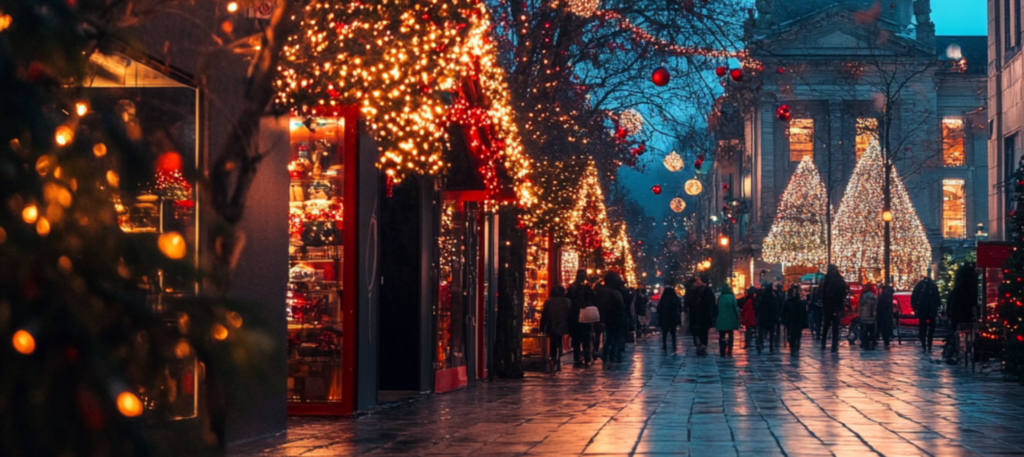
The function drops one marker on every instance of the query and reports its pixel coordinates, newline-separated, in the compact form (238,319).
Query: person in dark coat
(554,322)
(670,316)
(884,316)
(961,305)
(767,317)
(703,313)
(867,309)
(780,302)
(609,297)
(748,317)
(926,302)
(794,317)
(833,301)
(581,295)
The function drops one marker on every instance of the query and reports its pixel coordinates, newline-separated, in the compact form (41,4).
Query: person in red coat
(748,317)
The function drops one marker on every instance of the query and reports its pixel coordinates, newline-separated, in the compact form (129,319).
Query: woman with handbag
(670,311)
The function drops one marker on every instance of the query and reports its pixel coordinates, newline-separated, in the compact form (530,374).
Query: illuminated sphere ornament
(583,8)
(23,342)
(656,189)
(673,162)
(660,77)
(693,187)
(129,405)
(677,204)
(721,71)
(172,245)
(736,74)
(631,121)
(783,113)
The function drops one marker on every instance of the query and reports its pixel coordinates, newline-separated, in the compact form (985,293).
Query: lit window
(953,142)
(867,130)
(954,209)
(801,139)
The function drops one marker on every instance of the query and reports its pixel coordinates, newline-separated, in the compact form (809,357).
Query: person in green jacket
(728,320)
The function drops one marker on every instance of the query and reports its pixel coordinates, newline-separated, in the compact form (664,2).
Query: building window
(954,209)
(867,130)
(801,139)
(953,142)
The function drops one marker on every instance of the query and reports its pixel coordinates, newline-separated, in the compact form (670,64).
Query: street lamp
(887,216)
(723,240)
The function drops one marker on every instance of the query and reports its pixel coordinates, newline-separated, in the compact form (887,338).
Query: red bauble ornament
(656,189)
(700,157)
(660,77)
(780,70)
(736,74)
(168,162)
(699,163)
(783,113)
(721,71)
(725,186)
(621,133)
(732,220)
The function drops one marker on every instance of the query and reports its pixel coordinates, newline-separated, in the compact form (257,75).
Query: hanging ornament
(621,133)
(736,74)
(673,162)
(783,113)
(677,204)
(660,77)
(699,163)
(721,71)
(631,121)
(780,70)
(693,187)
(725,186)
(656,189)
(639,150)
(169,162)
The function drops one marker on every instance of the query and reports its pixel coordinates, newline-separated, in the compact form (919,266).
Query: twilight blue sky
(959,17)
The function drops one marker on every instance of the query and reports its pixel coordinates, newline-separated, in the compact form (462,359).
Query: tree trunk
(508,343)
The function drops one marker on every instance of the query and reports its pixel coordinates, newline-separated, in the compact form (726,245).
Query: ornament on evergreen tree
(857,228)
(693,187)
(783,113)
(673,162)
(631,121)
(661,76)
(677,204)
(721,71)
(656,189)
(736,74)
(798,234)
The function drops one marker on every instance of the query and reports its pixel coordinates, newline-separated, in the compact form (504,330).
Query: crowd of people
(599,317)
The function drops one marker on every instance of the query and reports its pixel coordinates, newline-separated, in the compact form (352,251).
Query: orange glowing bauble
(693,187)
(219,332)
(169,162)
(677,205)
(64,135)
(172,244)
(129,405)
(23,342)
(30,213)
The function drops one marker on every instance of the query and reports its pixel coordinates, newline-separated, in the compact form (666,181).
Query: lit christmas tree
(858,231)
(1011,292)
(798,235)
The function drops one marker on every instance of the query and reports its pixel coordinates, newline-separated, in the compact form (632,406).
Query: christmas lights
(798,235)
(673,162)
(677,204)
(631,121)
(858,230)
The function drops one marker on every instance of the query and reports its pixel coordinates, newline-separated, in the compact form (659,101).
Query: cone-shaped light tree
(857,230)
(798,235)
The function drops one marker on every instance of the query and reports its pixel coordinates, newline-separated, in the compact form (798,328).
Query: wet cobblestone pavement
(896,402)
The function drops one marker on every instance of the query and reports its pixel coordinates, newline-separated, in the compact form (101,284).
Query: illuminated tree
(1011,292)
(798,235)
(858,238)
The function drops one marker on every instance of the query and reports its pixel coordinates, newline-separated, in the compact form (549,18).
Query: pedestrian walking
(643,319)
(794,317)
(748,318)
(608,296)
(554,322)
(814,311)
(960,306)
(582,296)
(767,317)
(703,312)
(885,321)
(833,302)
(728,320)
(868,307)
(670,312)
(925,301)
(780,302)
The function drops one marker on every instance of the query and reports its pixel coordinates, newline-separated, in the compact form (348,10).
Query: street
(896,402)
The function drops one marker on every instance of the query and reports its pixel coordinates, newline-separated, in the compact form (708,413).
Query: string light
(640,34)
(583,8)
(798,235)
(857,231)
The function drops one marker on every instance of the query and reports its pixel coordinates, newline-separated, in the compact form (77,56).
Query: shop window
(953,142)
(867,130)
(315,259)
(801,139)
(535,293)
(449,312)
(570,264)
(954,209)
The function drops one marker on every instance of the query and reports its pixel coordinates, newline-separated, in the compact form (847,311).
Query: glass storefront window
(801,139)
(449,312)
(867,130)
(953,142)
(315,266)
(954,209)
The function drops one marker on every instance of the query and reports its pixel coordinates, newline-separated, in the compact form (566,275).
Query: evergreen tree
(1012,290)
(798,235)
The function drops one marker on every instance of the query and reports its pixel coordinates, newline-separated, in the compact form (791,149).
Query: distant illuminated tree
(798,235)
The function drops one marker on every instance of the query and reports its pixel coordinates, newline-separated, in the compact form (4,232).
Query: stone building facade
(1006,118)
(835,64)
